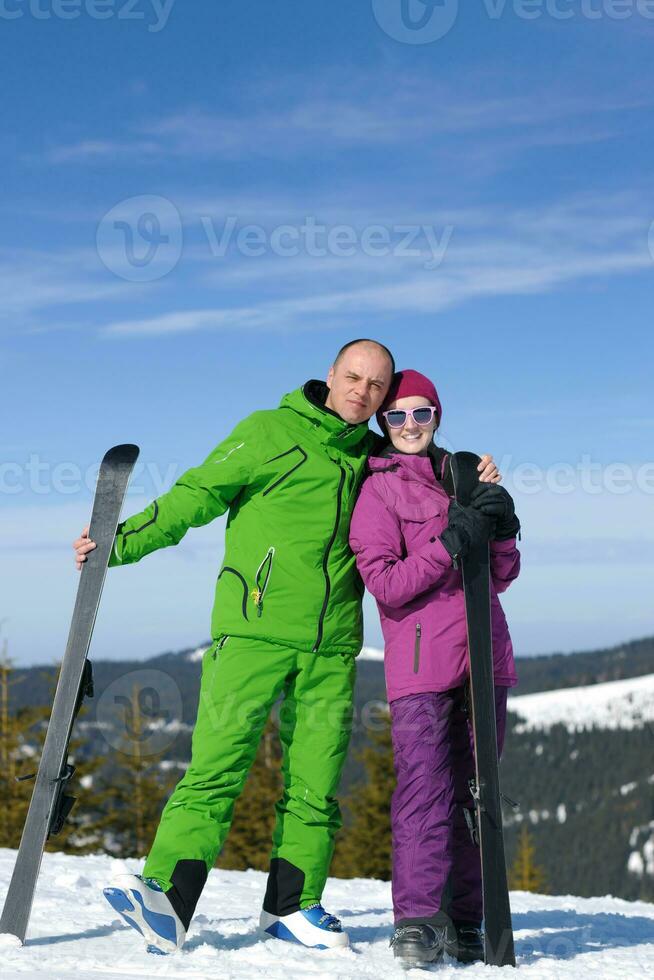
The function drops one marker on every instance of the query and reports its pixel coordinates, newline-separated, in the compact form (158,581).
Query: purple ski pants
(432,846)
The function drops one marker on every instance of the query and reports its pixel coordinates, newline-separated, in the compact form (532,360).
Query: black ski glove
(467,527)
(494,501)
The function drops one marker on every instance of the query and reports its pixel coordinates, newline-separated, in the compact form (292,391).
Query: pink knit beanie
(405,384)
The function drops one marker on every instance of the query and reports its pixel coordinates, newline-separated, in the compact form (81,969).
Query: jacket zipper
(354,478)
(221,643)
(325,559)
(416,649)
(259,591)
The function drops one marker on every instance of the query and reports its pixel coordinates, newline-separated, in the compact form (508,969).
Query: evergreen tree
(363,848)
(525,875)
(82,830)
(22,736)
(249,839)
(18,756)
(135,790)
(82,833)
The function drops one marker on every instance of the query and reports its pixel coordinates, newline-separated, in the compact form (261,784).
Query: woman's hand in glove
(467,527)
(494,501)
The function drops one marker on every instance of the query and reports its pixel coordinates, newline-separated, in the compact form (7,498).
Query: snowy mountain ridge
(623,704)
(367,653)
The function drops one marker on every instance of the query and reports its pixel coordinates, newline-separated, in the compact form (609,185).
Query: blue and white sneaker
(311,926)
(143,905)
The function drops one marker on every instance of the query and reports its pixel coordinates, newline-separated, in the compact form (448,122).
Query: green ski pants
(241,680)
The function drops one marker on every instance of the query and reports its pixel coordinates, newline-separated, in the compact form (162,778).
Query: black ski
(50,805)
(498,941)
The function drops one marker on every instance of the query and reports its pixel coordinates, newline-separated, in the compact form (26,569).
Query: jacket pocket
(220,644)
(244,600)
(285,476)
(215,648)
(416,649)
(262,580)
(419,510)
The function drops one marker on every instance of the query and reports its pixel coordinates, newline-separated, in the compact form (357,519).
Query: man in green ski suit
(287,620)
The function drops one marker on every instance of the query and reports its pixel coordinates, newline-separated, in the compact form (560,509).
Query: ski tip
(463,467)
(126,454)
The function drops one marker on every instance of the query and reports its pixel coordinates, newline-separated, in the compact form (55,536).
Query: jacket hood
(309,402)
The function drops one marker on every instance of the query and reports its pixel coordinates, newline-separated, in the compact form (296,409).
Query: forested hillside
(586,796)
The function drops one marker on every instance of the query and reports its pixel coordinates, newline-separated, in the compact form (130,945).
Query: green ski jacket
(289,478)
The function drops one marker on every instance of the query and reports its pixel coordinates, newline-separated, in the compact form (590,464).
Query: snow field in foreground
(74,933)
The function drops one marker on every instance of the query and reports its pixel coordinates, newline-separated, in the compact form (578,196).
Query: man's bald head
(367,341)
(359,379)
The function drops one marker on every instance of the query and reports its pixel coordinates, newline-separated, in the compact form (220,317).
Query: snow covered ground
(75,934)
(613,704)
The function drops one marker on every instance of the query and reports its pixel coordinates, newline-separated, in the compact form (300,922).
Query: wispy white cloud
(365,111)
(492,253)
(424,294)
(32,280)
(588,551)
(90,149)
(635,422)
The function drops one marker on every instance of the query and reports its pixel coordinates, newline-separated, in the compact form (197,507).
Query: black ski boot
(418,944)
(467,946)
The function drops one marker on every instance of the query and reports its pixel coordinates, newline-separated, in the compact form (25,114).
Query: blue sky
(201,202)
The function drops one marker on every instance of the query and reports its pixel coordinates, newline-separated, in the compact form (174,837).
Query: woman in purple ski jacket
(406,533)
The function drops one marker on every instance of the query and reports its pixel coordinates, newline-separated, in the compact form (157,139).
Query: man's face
(358,383)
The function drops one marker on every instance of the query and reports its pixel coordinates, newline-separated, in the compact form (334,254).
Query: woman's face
(411,438)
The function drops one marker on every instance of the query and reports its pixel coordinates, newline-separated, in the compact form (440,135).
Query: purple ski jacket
(401,510)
